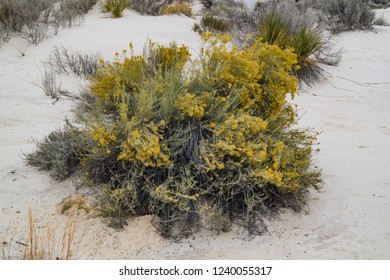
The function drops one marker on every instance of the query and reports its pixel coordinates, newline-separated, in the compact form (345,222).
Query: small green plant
(177,7)
(210,23)
(115,7)
(305,40)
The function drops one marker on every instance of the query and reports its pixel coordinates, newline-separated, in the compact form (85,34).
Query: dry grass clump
(171,137)
(49,242)
(33,20)
(44,241)
(177,7)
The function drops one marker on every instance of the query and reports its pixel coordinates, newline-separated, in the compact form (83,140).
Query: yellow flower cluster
(112,80)
(168,58)
(262,72)
(144,145)
(102,136)
(239,138)
(191,105)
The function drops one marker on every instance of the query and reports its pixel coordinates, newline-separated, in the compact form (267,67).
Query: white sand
(348,220)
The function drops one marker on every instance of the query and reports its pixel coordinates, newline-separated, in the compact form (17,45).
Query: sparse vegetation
(50,242)
(176,141)
(344,15)
(49,84)
(63,61)
(33,19)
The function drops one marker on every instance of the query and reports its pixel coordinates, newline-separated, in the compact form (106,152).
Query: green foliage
(115,7)
(208,141)
(344,15)
(64,61)
(302,37)
(210,23)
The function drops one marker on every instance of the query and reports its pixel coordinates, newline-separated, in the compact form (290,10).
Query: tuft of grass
(177,7)
(49,242)
(274,30)
(305,40)
(115,7)
(211,23)
(179,139)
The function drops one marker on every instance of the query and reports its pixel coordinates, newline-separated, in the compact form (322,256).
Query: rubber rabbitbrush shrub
(209,141)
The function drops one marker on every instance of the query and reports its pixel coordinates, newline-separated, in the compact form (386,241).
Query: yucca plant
(302,37)
(274,30)
(115,7)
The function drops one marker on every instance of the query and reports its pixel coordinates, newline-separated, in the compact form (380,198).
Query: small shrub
(174,138)
(32,19)
(381,21)
(177,7)
(49,84)
(63,61)
(115,7)
(344,15)
(210,23)
(58,152)
(35,32)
